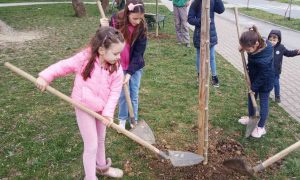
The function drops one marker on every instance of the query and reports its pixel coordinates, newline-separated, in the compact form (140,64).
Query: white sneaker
(113,172)
(122,124)
(244,120)
(258,132)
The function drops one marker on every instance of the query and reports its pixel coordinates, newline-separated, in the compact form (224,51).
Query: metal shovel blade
(253,120)
(143,131)
(181,159)
(240,166)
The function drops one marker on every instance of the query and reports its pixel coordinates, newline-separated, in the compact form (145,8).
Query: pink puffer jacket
(100,93)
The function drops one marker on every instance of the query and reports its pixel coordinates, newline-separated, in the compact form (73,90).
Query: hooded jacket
(194,18)
(280,51)
(261,70)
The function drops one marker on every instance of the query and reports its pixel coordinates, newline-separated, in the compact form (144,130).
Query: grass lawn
(274,18)
(38,132)
(297,2)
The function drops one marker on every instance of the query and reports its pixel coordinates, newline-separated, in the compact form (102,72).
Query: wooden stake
(204,80)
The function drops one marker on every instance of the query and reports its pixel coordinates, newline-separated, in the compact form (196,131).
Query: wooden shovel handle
(100,9)
(85,109)
(248,82)
(129,103)
(277,157)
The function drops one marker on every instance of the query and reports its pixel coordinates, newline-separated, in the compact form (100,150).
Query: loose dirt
(9,35)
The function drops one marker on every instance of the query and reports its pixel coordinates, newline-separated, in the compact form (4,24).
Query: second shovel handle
(100,9)
(277,157)
(129,103)
(247,78)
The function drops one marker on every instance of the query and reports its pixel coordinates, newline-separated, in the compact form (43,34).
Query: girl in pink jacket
(97,85)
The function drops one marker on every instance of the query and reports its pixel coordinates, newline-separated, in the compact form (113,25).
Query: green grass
(274,18)
(38,132)
(297,2)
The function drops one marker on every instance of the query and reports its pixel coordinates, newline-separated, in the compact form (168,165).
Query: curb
(257,19)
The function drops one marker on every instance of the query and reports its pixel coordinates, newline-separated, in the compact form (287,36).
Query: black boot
(215,81)
(277,99)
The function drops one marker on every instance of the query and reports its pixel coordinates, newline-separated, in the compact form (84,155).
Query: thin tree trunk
(79,8)
(105,5)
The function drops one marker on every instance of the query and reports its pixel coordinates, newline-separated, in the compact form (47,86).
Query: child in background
(131,23)
(279,51)
(194,18)
(180,18)
(97,85)
(261,73)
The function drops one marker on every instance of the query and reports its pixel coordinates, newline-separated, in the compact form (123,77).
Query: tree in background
(79,8)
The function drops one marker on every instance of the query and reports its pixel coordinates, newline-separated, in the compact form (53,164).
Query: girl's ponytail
(250,37)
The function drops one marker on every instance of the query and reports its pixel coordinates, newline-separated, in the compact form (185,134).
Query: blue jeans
(277,85)
(212,61)
(134,86)
(264,107)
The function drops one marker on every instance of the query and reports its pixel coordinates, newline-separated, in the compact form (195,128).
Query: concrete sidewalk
(228,47)
(273,7)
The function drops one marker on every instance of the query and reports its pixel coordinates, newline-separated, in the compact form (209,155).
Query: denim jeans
(264,107)
(134,86)
(212,61)
(277,85)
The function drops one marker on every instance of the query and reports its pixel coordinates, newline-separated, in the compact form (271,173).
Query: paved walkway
(228,45)
(267,5)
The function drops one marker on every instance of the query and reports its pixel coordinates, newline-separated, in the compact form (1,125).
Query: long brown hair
(104,37)
(122,21)
(250,37)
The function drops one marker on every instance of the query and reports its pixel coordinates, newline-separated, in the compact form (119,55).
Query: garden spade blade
(253,120)
(181,159)
(144,131)
(240,166)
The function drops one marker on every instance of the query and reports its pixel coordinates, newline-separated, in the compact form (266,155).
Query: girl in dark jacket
(132,24)
(194,18)
(261,73)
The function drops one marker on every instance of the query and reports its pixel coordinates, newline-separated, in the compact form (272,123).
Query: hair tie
(132,6)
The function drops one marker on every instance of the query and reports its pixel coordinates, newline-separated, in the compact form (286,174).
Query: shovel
(239,165)
(253,120)
(141,129)
(177,158)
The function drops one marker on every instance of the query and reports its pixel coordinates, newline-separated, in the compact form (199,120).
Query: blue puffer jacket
(194,18)
(261,69)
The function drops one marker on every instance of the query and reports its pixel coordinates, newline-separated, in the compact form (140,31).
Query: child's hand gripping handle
(251,93)
(87,110)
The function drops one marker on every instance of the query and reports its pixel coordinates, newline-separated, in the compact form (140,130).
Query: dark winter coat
(137,50)
(194,18)
(261,70)
(280,51)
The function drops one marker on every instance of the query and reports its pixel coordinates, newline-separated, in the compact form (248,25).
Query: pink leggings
(93,135)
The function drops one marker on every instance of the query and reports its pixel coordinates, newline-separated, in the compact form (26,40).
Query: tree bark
(105,5)
(79,8)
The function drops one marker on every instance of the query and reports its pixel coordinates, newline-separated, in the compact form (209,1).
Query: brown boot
(109,171)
